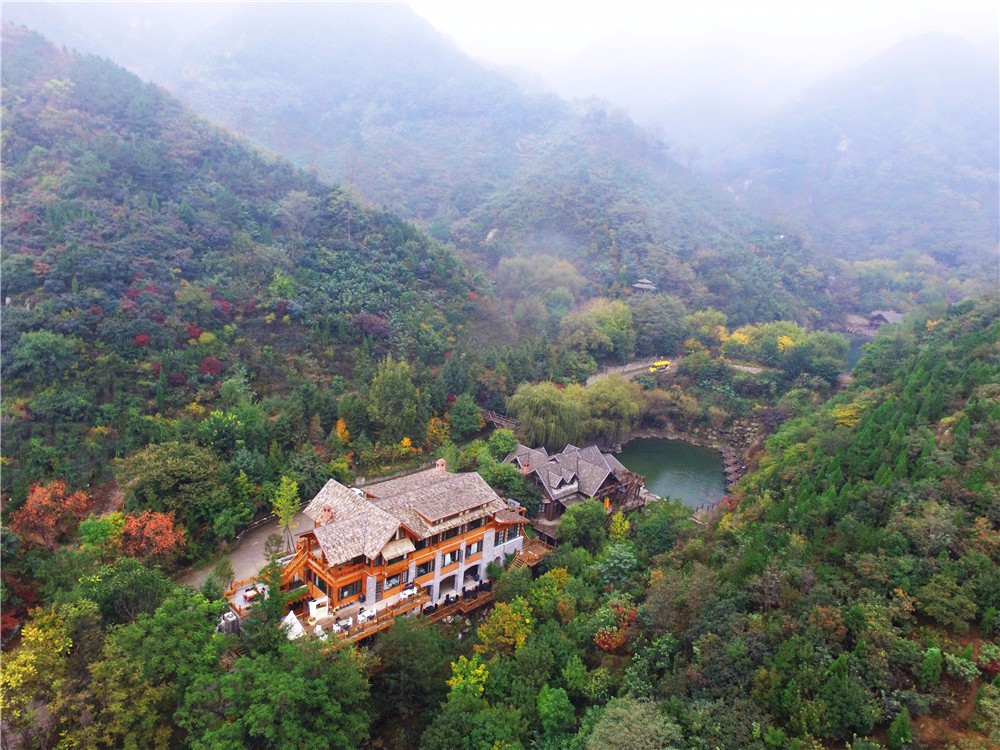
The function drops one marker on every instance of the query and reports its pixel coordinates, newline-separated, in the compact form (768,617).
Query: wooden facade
(430,534)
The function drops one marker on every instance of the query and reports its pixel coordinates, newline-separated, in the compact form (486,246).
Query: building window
(349,590)
(451,557)
(499,537)
(393,581)
(513,533)
(425,568)
(475,524)
(319,582)
(395,560)
(421,543)
(451,533)
(474,549)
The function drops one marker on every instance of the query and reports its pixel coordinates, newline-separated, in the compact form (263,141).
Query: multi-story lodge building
(432,529)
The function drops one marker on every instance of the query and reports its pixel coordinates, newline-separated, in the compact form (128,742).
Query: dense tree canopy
(218,330)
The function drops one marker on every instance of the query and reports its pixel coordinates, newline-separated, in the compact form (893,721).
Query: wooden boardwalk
(500,420)
(384,619)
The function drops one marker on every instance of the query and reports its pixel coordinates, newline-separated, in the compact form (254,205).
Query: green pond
(675,468)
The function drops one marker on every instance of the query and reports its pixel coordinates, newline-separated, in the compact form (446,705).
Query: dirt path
(630,369)
(753,370)
(248,556)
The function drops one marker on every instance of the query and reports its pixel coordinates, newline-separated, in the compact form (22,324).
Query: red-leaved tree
(210,366)
(49,514)
(149,534)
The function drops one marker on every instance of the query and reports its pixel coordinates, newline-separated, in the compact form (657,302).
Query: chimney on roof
(526,469)
(441,465)
(326,516)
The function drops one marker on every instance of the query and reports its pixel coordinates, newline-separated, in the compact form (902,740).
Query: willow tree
(548,416)
(613,405)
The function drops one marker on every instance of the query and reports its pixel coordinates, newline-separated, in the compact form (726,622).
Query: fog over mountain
(375,96)
(699,74)
(897,154)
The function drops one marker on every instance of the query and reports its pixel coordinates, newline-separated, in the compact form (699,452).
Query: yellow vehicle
(661,365)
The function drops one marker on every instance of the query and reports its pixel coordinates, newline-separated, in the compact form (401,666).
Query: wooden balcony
(383,619)
(462,606)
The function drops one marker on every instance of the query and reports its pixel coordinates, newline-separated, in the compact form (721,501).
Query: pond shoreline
(735,449)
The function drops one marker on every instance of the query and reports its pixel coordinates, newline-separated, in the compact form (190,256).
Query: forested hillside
(374,98)
(153,266)
(899,155)
(845,596)
(196,334)
(387,104)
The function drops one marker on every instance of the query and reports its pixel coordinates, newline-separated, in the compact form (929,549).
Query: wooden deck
(461,607)
(532,553)
(384,619)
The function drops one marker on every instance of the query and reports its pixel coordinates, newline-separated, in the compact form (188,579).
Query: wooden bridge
(500,420)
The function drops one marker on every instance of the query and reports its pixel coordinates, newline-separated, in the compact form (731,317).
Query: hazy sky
(549,33)
(698,69)
(760,50)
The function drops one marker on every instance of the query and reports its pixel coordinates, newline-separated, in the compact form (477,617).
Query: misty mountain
(897,155)
(374,97)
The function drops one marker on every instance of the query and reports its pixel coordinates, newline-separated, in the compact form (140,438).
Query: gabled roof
(573,471)
(889,316)
(333,494)
(349,524)
(429,501)
(511,517)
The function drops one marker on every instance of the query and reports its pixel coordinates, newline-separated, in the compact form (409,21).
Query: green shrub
(929,673)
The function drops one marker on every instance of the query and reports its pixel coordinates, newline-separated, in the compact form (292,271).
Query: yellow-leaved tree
(506,629)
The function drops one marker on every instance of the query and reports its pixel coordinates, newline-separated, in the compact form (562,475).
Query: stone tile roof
(890,316)
(570,472)
(332,494)
(398,547)
(437,500)
(510,517)
(353,527)
(349,525)
(409,482)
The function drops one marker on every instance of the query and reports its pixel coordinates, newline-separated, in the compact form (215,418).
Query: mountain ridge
(897,154)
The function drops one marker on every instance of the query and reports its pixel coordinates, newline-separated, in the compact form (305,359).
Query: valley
(267,277)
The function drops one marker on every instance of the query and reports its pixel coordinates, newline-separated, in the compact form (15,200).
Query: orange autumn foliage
(343,434)
(148,534)
(49,514)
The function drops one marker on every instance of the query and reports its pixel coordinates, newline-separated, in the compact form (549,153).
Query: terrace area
(356,620)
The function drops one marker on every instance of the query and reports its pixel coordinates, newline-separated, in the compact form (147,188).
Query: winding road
(248,556)
(630,369)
